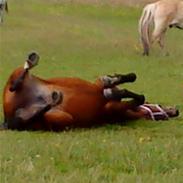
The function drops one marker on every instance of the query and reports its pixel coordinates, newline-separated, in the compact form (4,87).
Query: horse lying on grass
(31,103)
(161,14)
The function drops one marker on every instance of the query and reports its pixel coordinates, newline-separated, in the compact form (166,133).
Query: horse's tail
(145,22)
(6,7)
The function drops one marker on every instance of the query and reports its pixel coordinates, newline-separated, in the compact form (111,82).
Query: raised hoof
(141,99)
(121,78)
(131,77)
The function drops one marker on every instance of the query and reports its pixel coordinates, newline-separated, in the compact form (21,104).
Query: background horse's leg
(161,39)
(6,7)
(1,13)
(160,28)
(57,119)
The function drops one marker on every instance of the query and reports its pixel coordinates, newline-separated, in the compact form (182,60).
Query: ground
(88,40)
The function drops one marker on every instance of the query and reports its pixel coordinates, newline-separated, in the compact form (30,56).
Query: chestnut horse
(31,103)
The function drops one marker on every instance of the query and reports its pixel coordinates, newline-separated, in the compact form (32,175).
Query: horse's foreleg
(30,112)
(110,81)
(24,117)
(116,94)
(58,120)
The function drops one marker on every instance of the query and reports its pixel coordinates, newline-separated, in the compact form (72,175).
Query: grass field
(87,41)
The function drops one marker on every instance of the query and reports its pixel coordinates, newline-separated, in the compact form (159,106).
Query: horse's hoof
(141,99)
(131,77)
(145,54)
(166,54)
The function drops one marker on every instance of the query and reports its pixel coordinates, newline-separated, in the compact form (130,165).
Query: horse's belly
(84,106)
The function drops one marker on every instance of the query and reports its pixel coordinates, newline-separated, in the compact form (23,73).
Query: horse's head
(19,74)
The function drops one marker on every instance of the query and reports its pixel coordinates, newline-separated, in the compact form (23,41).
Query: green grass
(88,41)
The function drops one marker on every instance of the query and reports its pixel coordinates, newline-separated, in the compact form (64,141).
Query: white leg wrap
(107,93)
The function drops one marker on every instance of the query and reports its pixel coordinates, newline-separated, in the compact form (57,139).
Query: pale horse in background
(3,8)
(160,16)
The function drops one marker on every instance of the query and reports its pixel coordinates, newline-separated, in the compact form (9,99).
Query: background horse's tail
(145,22)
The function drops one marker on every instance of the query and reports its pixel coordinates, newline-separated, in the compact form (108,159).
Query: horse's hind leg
(110,81)
(160,29)
(161,43)
(123,110)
